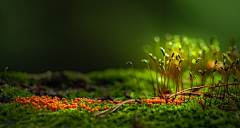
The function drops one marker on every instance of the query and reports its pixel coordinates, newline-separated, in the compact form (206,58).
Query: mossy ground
(114,82)
(158,116)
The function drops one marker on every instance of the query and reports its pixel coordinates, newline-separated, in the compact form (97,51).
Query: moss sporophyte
(186,75)
(192,55)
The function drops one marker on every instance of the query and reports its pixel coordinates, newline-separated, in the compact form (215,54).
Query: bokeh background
(36,36)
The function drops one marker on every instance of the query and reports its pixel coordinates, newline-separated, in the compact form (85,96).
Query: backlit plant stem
(164,74)
(168,88)
(152,79)
(130,63)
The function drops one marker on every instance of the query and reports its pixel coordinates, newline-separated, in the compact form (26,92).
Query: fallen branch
(4,93)
(201,103)
(113,108)
(205,94)
(230,109)
(234,104)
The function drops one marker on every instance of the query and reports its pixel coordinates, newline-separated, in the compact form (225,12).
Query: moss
(13,92)
(183,115)
(70,84)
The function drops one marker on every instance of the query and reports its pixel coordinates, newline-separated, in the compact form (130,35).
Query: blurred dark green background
(37,35)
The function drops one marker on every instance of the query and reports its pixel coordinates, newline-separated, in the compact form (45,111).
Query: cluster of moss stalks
(201,61)
(191,85)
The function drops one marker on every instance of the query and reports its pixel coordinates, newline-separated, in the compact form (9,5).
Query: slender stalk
(159,91)
(156,71)
(195,80)
(152,79)
(177,86)
(220,81)
(211,93)
(168,75)
(236,85)
(196,69)
(191,82)
(164,67)
(235,80)
(164,74)
(230,60)
(217,92)
(227,87)
(180,73)
(161,79)
(202,82)
(160,71)
(130,63)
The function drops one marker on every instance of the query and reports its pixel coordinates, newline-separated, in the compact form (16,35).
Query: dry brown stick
(234,104)
(230,109)
(199,94)
(203,105)
(4,93)
(178,93)
(114,107)
(191,93)
(200,87)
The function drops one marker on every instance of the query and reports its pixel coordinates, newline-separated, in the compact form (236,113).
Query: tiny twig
(114,107)
(230,109)
(4,93)
(201,103)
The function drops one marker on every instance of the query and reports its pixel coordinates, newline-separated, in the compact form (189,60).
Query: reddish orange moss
(55,104)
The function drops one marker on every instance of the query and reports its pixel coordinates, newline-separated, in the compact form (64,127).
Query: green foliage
(13,91)
(184,115)
(200,111)
(16,77)
(189,114)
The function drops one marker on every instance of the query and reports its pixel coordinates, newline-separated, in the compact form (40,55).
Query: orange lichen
(55,104)
(150,104)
